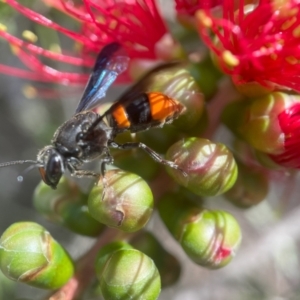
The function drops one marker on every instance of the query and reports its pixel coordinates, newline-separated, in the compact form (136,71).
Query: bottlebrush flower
(186,9)
(189,7)
(137,25)
(257,43)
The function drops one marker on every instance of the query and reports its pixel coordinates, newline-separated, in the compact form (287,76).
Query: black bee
(88,135)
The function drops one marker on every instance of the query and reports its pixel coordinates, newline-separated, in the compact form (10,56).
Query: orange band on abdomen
(120,116)
(162,106)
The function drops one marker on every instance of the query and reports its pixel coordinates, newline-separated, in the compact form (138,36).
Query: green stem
(226,94)
(85,270)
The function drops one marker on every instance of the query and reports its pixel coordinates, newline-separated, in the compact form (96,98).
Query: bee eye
(53,169)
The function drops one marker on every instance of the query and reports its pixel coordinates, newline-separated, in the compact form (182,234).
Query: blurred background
(267,266)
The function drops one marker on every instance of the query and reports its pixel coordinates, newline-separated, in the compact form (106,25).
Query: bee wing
(111,62)
(141,86)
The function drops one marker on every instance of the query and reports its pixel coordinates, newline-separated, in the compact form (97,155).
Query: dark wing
(143,84)
(111,62)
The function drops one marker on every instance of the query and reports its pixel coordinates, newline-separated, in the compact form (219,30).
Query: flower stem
(225,95)
(85,271)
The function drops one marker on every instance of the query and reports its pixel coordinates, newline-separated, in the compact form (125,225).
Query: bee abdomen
(145,111)
(163,108)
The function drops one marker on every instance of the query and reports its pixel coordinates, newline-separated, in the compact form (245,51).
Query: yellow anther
(288,23)
(113,24)
(101,19)
(77,46)
(263,50)
(117,12)
(296,32)
(230,59)
(274,56)
(55,48)
(291,60)
(14,49)
(203,18)
(282,8)
(2,27)
(29,36)
(286,13)
(29,91)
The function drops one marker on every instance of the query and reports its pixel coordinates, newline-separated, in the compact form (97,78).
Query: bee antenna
(17,162)
(28,169)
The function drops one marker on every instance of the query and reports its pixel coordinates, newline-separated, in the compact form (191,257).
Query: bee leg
(82,173)
(108,159)
(149,151)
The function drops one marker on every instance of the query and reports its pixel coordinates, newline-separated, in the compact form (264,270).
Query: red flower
(189,7)
(136,24)
(289,121)
(256,43)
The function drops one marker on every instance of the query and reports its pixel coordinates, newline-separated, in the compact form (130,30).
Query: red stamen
(76,61)
(42,20)
(136,24)
(189,7)
(264,42)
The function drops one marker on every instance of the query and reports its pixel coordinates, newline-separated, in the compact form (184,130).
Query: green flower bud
(29,254)
(254,89)
(211,167)
(232,116)
(209,238)
(100,262)
(126,160)
(260,126)
(78,219)
(126,203)
(47,201)
(265,160)
(159,139)
(206,75)
(127,274)
(167,265)
(251,187)
(200,127)
(257,121)
(173,214)
(67,206)
(105,253)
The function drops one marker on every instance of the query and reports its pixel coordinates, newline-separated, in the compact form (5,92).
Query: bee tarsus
(148,150)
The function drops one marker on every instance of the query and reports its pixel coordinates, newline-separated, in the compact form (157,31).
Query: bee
(88,136)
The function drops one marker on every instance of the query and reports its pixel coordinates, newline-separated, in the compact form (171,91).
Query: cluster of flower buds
(255,45)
